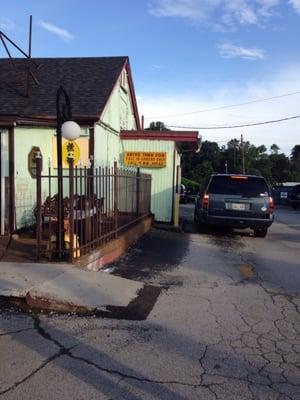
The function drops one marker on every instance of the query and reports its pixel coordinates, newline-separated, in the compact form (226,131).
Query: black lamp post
(68,129)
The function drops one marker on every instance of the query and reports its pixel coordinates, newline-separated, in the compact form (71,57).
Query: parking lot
(225,326)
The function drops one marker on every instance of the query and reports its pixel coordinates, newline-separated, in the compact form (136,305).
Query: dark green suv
(294,197)
(236,201)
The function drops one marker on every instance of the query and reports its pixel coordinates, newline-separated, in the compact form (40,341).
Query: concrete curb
(137,310)
(114,249)
(65,289)
(42,303)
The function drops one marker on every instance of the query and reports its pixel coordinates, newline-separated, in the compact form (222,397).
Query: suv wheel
(262,232)
(295,206)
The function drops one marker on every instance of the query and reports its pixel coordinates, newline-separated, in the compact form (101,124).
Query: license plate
(238,206)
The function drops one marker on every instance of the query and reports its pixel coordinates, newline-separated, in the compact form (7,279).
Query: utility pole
(226,167)
(243,154)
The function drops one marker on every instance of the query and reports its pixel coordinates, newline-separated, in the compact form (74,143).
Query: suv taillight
(271,205)
(205,201)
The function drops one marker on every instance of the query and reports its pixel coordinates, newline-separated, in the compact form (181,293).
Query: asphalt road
(225,326)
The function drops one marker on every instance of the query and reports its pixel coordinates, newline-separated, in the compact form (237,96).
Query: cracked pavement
(225,326)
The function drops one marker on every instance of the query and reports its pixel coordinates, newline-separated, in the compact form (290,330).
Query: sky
(190,59)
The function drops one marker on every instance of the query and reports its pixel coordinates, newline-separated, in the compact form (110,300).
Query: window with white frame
(123,79)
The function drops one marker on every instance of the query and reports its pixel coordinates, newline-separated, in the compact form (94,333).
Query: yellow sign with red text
(145,159)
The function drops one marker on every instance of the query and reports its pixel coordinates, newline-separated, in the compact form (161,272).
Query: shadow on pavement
(103,372)
(155,252)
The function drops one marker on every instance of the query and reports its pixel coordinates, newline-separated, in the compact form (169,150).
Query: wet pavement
(226,325)
(150,260)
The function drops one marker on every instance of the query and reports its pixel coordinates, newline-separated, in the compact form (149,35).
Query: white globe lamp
(70,130)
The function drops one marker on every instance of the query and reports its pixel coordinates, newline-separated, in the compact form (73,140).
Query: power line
(226,106)
(234,126)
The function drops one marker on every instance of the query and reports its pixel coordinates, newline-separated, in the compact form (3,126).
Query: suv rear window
(246,187)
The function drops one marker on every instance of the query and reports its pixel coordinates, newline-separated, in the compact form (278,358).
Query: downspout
(92,144)
(177,196)
(1,192)
(173,187)
(92,159)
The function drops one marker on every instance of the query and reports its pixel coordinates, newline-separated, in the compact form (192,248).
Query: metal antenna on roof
(29,54)
(4,38)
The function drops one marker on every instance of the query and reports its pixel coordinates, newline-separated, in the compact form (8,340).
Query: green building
(103,104)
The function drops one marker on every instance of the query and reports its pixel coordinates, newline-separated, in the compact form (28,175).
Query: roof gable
(132,95)
(88,81)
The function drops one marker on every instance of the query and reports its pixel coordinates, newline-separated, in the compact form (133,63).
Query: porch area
(99,205)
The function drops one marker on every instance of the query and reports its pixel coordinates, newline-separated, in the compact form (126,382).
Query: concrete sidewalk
(63,288)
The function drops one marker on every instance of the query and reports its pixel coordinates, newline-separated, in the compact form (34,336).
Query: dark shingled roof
(88,81)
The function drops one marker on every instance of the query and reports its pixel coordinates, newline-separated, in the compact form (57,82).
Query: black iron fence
(98,204)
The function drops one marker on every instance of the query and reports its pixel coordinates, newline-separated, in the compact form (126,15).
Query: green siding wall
(162,188)
(4,179)
(25,185)
(118,114)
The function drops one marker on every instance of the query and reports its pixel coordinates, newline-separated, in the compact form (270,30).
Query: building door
(4,187)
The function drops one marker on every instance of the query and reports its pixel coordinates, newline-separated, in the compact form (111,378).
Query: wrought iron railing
(98,204)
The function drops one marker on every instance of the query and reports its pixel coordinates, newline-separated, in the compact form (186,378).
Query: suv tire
(262,232)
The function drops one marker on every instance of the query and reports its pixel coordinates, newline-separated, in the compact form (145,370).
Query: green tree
(295,158)
(274,149)
(199,166)
(231,156)
(275,167)
(280,168)
(157,126)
